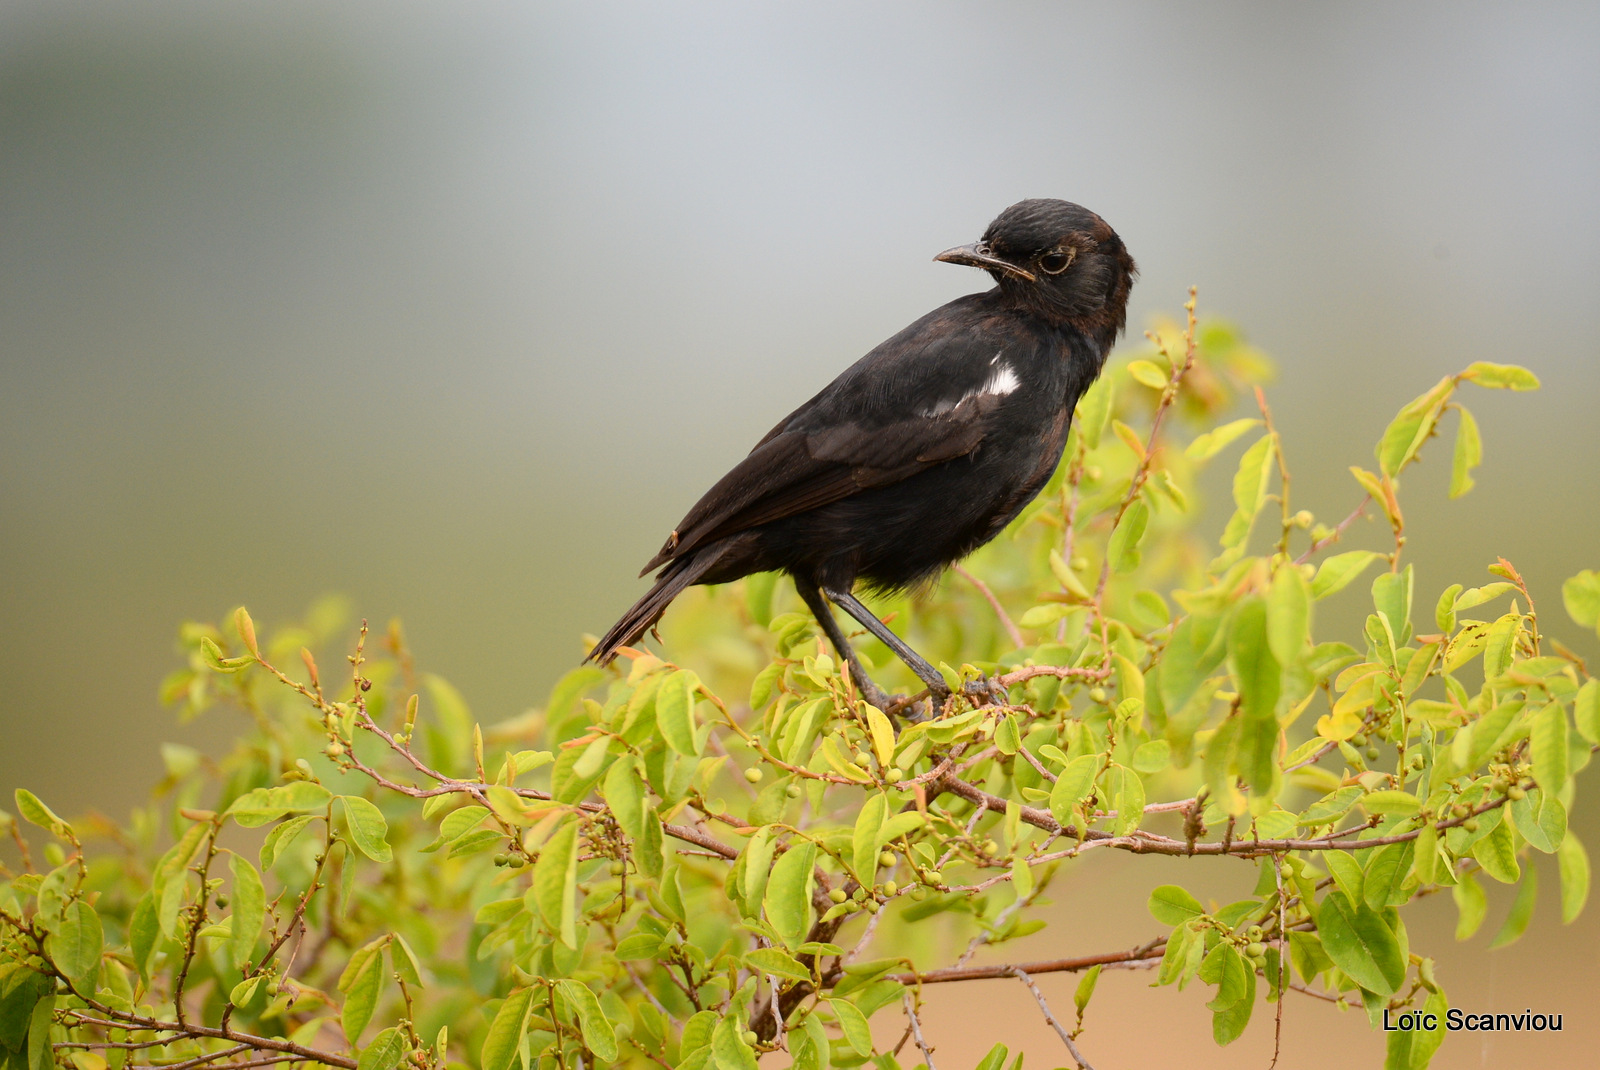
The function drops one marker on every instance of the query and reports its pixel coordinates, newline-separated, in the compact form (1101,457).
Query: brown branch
(1144,954)
(117,1019)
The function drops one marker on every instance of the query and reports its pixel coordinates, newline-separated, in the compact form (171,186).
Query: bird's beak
(978,255)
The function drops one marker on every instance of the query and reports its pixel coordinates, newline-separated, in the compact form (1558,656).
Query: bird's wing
(921,398)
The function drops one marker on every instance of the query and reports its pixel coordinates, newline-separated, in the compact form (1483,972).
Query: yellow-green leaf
(1148,374)
(1123,550)
(505,1034)
(1468,454)
(1215,441)
(788,898)
(1574,863)
(368,828)
(249,909)
(75,943)
(1338,571)
(675,711)
(555,884)
(854,1026)
(598,1034)
(1501,376)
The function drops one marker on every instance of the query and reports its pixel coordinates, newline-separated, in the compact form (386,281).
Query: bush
(693,863)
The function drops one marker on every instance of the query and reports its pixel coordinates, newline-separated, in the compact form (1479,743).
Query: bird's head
(1059,260)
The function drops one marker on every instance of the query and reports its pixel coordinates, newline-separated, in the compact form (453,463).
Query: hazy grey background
(455,308)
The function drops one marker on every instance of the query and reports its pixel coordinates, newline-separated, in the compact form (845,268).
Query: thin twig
(1012,631)
(1044,1008)
(916,1031)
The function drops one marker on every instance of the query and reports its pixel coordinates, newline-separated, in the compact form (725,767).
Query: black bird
(924,449)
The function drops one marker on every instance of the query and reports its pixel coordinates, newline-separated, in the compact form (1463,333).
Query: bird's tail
(646,611)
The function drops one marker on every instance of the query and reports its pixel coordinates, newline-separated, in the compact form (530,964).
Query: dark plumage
(924,449)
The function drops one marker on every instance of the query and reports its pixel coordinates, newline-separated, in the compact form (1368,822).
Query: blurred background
(454,309)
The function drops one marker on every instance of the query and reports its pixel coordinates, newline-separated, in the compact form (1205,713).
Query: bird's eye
(1056,261)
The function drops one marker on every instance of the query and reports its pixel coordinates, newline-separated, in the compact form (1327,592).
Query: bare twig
(1044,1008)
(916,1030)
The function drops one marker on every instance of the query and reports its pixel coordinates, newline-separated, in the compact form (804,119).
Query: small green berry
(1079,564)
(991,848)
(1097,694)
(891,888)
(870,906)
(616,867)
(1303,519)
(894,774)
(793,791)
(1256,950)
(886,858)
(501,860)
(1358,740)
(838,895)
(1372,754)
(1255,933)
(1516,792)
(1470,824)
(750,1037)
(933,876)
(753,775)
(222,902)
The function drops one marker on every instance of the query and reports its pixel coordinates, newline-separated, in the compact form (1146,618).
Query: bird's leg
(981,691)
(813,599)
(914,661)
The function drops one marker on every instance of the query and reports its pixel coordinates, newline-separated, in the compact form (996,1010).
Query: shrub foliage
(693,862)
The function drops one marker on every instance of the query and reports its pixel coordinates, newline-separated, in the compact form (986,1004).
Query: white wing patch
(1001,382)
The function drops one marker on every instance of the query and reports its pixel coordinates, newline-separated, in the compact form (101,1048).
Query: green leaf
(1391,596)
(1411,428)
(1229,1025)
(1413,1049)
(1152,757)
(995,1060)
(1007,739)
(1123,551)
(384,1052)
(280,837)
(598,1035)
(1224,968)
(1172,905)
(1574,862)
(1259,679)
(368,828)
(1331,806)
(1147,373)
(1358,941)
(1472,905)
(1501,376)
(1444,613)
(1127,798)
(1073,785)
(41,1053)
(1094,412)
(1213,442)
(1250,481)
(1468,454)
(865,841)
(75,944)
(1516,922)
(1548,744)
(361,990)
(1586,711)
(757,867)
(1391,802)
(1085,990)
(728,1046)
(505,1034)
(555,884)
(854,1025)
(1338,571)
(1387,868)
(1497,854)
(776,962)
(675,711)
(256,808)
(624,793)
(29,806)
(788,898)
(1347,874)
(249,910)
(1288,614)
(1581,594)
(20,989)
(405,961)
